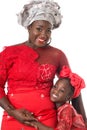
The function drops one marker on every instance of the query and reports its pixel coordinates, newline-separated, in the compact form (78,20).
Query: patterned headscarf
(40,10)
(76,81)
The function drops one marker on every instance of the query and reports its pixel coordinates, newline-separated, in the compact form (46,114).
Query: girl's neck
(59,104)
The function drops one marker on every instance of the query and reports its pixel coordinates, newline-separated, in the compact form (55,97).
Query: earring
(49,41)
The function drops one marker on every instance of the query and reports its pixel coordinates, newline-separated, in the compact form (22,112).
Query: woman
(29,69)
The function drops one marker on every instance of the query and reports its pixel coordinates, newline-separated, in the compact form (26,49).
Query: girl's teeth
(54,96)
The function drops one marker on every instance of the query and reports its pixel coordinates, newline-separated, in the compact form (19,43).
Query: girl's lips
(54,95)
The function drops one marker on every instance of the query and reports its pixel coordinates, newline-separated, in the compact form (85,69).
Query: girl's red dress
(29,79)
(69,119)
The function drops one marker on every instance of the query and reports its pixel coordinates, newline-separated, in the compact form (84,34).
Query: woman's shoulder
(12,48)
(56,50)
(53,48)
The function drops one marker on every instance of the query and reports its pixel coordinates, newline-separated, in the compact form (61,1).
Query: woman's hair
(47,10)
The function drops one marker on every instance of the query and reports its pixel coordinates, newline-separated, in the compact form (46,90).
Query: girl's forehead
(62,83)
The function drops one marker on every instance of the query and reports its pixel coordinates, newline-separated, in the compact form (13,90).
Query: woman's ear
(28,28)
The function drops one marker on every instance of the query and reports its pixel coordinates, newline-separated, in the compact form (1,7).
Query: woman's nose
(43,34)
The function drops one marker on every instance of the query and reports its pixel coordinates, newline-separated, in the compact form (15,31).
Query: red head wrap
(76,81)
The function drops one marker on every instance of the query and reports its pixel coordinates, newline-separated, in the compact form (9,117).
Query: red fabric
(76,81)
(69,119)
(30,78)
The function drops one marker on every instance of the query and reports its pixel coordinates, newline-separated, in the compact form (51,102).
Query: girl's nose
(55,91)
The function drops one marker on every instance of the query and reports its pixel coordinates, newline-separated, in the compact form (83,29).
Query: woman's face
(60,92)
(39,33)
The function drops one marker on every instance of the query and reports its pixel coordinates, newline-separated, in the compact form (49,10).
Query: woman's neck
(31,45)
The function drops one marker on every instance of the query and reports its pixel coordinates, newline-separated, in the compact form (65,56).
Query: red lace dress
(69,119)
(29,75)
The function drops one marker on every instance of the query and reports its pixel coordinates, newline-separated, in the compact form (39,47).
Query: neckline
(25,44)
(35,52)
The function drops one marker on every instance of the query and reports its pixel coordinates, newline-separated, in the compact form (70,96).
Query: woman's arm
(21,115)
(5,65)
(77,102)
(39,126)
(64,122)
(78,105)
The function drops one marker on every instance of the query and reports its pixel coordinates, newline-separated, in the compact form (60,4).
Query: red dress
(69,119)
(29,74)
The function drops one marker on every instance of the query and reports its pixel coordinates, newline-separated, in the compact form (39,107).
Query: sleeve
(3,72)
(62,61)
(65,119)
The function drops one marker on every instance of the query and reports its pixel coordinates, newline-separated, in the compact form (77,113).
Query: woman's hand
(22,115)
(38,125)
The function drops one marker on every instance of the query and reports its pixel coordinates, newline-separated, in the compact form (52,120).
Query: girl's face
(60,92)
(39,33)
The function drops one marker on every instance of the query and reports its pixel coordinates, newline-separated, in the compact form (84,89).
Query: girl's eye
(62,90)
(54,86)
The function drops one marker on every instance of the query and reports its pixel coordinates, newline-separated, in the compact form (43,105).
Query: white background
(71,36)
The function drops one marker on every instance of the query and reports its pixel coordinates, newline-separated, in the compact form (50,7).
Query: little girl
(67,87)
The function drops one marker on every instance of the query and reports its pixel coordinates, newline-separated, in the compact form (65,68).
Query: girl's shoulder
(64,107)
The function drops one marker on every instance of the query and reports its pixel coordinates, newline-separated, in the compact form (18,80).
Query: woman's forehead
(41,23)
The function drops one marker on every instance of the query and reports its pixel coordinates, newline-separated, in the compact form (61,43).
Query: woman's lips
(41,41)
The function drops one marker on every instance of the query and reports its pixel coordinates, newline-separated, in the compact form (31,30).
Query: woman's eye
(39,29)
(49,31)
